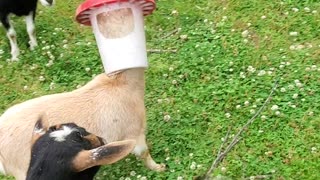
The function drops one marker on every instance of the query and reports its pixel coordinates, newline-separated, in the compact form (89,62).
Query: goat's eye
(79,134)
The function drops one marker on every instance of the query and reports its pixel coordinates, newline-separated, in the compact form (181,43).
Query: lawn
(228,55)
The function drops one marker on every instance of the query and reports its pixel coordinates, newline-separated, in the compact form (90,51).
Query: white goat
(111,107)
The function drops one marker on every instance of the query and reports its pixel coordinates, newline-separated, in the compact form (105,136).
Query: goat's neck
(133,77)
(130,80)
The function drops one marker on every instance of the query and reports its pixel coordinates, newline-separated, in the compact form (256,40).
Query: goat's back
(17,7)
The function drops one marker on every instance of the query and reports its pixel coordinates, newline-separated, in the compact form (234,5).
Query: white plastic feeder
(118,26)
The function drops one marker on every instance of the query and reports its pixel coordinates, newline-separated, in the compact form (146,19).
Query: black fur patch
(52,160)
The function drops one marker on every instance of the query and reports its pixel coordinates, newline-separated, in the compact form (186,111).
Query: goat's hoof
(33,46)
(160,167)
(14,55)
(14,59)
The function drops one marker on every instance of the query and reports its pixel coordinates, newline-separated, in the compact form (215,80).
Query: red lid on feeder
(82,13)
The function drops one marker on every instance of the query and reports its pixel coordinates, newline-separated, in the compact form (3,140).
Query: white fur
(139,149)
(45,3)
(31,31)
(2,170)
(12,35)
(39,131)
(14,110)
(95,153)
(1,120)
(60,135)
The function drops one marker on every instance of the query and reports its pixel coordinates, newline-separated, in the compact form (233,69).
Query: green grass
(197,86)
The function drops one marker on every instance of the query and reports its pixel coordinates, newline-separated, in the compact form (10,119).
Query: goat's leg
(31,30)
(12,35)
(21,176)
(141,150)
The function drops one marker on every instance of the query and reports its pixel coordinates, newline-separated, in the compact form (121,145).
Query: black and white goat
(20,8)
(69,152)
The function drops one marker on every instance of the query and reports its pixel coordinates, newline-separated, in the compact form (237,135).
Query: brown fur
(110,107)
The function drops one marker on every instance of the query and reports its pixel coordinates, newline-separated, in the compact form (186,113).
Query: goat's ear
(103,155)
(40,128)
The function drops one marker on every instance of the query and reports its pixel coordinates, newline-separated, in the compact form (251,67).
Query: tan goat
(111,107)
